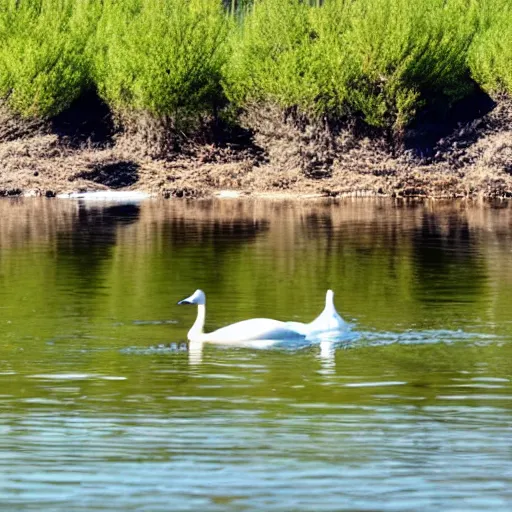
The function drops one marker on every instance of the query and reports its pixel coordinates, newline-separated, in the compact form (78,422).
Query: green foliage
(44,63)
(490,56)
(382,59)
(409,53)
(161,57)
(178,60)
(277,56)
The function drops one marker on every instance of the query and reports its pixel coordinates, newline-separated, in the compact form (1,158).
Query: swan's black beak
(184,301)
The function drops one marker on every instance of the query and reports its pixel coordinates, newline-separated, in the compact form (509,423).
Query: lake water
(104,406)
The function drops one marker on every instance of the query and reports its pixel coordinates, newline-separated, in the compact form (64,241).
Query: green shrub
(176,61)
(275,57)
(44,63)
(410,54)
(379,59)
(490,56)
(161,58)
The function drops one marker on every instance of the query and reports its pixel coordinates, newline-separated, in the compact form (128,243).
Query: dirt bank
(474,160)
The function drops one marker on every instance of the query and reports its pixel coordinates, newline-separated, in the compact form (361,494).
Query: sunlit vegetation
(44,53)
(178,62)
(491,54)
(160,58)
(381,59)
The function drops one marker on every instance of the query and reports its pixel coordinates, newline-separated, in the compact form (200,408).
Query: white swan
(327,322)
(247,330)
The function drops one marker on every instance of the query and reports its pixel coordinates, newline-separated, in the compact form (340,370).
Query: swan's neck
(197,330)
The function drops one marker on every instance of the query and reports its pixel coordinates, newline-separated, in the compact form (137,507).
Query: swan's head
(329,297)
(198,297)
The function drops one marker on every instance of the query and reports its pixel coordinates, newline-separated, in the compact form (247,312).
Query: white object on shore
(107,195)
(228,194)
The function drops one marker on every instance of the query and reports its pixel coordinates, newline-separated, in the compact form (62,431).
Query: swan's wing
(254,329)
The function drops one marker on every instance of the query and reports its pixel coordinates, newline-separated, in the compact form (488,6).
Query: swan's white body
(327,322)
(247,330)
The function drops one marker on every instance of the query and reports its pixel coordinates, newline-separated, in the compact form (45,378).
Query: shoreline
(473,161)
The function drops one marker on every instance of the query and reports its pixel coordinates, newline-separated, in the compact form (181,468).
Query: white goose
(247,330)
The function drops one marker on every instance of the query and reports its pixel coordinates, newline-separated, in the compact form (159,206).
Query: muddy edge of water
(475,160)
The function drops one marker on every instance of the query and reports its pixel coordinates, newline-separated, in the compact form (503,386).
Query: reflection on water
(82,249)
(105,406)
(446,260)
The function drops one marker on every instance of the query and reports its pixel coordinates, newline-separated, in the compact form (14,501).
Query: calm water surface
(104,406)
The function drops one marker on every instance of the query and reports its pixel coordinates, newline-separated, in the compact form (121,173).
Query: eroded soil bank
(473,160)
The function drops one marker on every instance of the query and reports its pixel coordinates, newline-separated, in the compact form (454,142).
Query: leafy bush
(44,64)
(491,53)
(273,57)
(409,53)
(161,58)
(176,61)
(379,59)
